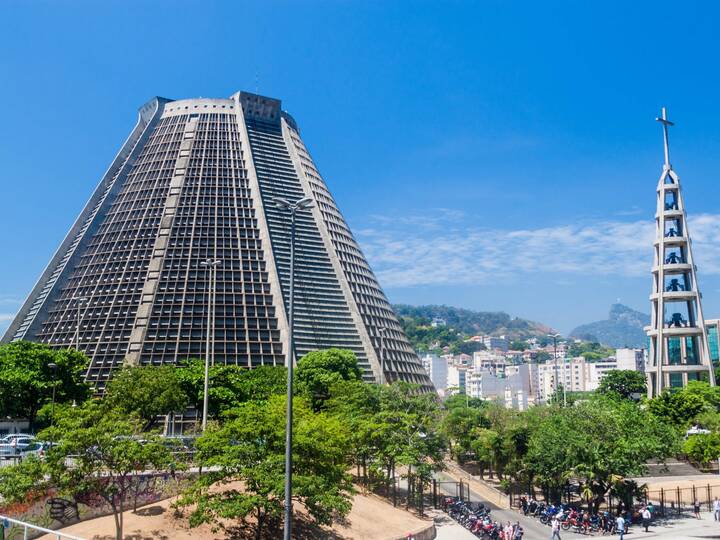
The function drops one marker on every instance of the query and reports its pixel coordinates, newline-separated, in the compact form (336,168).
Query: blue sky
(492,155)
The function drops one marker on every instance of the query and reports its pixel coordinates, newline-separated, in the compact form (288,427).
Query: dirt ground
(370,518)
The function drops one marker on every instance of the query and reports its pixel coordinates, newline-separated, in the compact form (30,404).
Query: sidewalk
(449,529)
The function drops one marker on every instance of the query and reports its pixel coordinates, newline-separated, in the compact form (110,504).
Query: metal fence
(412,493)
(667,501)
(679,499)
(12,526)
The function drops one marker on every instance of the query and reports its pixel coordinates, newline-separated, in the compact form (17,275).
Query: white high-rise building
(437,370)
(456,379)
(631,359)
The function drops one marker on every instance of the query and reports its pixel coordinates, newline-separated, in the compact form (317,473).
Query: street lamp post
(78,301)
(554,338)
(303,204)
(53,369)
(565,380)
(381,331)
(211,265)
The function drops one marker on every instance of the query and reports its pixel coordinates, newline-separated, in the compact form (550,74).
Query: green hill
(460,325)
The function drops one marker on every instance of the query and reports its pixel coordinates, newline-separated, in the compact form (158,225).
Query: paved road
(534,530)
(675,528)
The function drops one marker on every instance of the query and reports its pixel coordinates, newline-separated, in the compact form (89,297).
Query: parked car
(7,439)
(35,448)
(15,447)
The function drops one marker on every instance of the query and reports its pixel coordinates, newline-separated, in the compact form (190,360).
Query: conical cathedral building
(678,338)
(185,223)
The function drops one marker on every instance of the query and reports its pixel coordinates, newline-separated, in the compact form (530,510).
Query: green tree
(249,447)
(230,385)
(147,391)
(703,448)
(408,432)
(468,347)
(318,371)
(27,379)
(99,450)
(677,408)
(458,426)
(623,383)
(23,482)
(462,401)
(598,441)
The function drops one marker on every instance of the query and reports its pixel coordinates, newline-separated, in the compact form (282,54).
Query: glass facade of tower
(195,181)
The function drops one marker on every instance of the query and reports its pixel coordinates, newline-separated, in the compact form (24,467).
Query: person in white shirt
(620,526)
(646,516)
(716,509)
(555,529)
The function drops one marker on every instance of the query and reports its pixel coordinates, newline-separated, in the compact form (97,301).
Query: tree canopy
(99,449)
(598,441)
(623,383)
(249,448)
(27,378)
(318,371)
(230,385)
(147,391)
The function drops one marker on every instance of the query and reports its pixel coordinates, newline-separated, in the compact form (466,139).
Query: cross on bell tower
(665,122)
(678,339)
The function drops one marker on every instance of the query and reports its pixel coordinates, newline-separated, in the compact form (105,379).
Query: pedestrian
(646,516)
(620,526)
(716,509)
(556,528)
(696,509)
(518,532)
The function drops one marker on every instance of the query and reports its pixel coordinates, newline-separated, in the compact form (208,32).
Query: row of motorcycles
(475,517)
(571,518)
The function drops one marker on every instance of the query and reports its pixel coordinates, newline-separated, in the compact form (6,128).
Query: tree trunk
(31,420)
(120,530)
(409,484)
(118,524)
(260,521)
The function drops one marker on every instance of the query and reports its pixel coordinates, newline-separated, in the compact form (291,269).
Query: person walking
(716,509)
(696,509)
(620,526)
(646,516)
(555,524)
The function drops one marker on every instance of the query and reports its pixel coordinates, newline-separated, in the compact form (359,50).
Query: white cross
(665,122)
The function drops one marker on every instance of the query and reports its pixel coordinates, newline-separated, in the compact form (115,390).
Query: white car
(15,447)
(7,439)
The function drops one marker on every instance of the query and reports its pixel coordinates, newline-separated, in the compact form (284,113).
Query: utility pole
(303,204)
(211,265)
(554,338)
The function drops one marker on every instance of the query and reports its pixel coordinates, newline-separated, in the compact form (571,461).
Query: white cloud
(447,248)
(6,316)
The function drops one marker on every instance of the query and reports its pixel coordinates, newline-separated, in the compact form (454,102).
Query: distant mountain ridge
(471,322)
(623,328)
